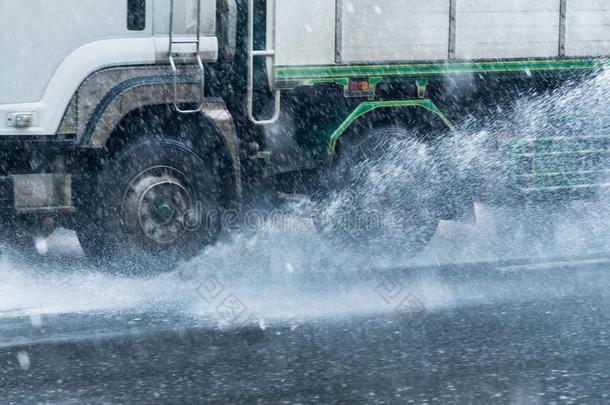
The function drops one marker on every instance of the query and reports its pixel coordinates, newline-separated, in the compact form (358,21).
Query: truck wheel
(387,194)
(155,205)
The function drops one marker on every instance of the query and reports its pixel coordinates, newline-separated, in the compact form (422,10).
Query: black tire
(155,204)
(386,194)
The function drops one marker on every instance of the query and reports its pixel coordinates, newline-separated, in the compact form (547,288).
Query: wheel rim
(156,203)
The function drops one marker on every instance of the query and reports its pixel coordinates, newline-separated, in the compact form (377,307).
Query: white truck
(132,120)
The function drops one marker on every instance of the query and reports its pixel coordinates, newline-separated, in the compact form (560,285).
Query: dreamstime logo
(405,303)
(345,213)
(225,304)
(233,220)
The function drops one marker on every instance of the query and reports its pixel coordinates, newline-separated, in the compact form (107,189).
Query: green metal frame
(561,163)
(551,162)
(541,176)
(292,76)
(367,107)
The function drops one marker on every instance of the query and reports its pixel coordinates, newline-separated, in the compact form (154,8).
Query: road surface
(512,332)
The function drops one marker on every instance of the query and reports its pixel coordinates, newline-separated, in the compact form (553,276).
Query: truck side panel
(490,29)
(410,31)
(307,31)
(393,30)
(588,28)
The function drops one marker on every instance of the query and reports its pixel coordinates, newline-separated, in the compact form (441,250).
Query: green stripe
(308,74)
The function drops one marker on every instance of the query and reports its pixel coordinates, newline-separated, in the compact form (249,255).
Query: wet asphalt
(519,332)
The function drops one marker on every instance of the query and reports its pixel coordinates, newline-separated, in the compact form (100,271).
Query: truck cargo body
(361,31)
(417,38)
(270,92)
(471,56)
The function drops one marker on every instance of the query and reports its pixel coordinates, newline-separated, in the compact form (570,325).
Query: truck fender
(389,108)
(108,96)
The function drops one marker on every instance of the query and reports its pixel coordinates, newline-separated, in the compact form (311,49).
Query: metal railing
(252,54)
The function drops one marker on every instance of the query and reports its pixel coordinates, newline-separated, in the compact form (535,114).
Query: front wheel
(155,204)
(386,194)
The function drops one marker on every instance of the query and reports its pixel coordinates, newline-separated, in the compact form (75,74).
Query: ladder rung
(184,54)
(266,52)
(185,41)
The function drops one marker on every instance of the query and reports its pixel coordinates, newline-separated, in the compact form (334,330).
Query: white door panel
(36,36)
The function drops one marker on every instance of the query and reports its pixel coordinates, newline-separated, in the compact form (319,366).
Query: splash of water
(290,271)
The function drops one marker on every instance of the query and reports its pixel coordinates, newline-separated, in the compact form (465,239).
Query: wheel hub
(156,203)
(162,212)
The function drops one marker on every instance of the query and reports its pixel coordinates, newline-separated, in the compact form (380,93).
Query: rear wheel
(387,194)
(155,204)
